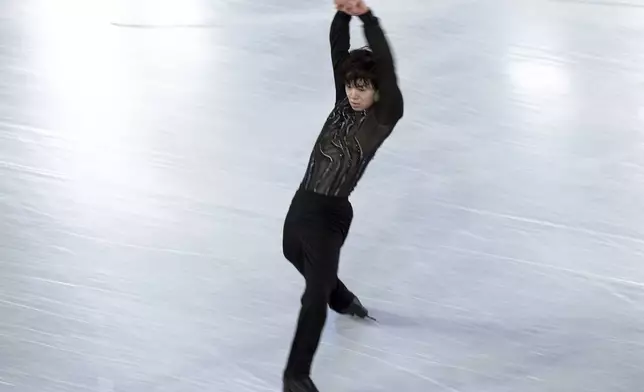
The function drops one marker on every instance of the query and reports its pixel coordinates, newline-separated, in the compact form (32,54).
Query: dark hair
(358,68)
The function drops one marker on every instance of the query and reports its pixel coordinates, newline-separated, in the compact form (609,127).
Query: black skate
(357,309)
(304,384)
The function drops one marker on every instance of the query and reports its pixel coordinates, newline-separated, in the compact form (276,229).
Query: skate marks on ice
(497,238)
(625,4)
(475,307)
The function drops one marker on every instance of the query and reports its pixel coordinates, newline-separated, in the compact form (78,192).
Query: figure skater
(368,105)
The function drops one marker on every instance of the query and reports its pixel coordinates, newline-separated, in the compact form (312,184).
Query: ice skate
(304,384)
(356,309)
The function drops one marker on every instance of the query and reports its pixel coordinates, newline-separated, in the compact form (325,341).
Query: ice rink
(149,151)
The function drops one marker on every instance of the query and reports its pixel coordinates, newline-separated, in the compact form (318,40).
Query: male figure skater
(368,105)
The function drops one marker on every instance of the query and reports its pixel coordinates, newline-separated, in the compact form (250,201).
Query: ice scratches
(248,20)
(538,222)
(24,128)
(2,382)
(580,273)
(251,381)
(633,165)
(22,169)
(205,379)
(617,294)
(56,138)
(616,245)
(606,286)
(175,382)
(602,3)
(76,286)
(42,311)
(270,329)
(417,356)
(166,26)
(402,369)
(525,52)
(83,354)
(424,300)
(105,241)
(106,344)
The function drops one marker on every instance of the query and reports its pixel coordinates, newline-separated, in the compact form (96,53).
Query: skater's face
(361,94)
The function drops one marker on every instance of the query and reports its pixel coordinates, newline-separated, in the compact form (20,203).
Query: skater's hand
(345,5)
(352,7)
(360,8)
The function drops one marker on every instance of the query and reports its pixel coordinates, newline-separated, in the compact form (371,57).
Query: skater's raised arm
(340,42)
(390,103)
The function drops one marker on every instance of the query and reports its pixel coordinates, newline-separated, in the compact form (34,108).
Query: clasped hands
(352,7)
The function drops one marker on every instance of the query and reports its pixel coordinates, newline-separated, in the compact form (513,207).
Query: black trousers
(315,229)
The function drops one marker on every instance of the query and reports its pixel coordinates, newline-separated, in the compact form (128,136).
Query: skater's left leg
(321,251)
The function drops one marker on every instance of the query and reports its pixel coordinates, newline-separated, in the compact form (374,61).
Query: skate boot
(304,384)
(357,309)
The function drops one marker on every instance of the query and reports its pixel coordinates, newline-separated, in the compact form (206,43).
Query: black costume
(320,214)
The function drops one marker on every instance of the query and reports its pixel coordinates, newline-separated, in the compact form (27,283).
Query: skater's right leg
(341,297)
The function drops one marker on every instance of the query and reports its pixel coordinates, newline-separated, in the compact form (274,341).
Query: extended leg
(321,253)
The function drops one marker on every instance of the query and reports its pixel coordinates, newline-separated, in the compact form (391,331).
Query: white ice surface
(149,151)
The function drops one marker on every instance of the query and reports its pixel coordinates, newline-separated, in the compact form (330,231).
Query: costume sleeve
(340,42)
(390,103)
